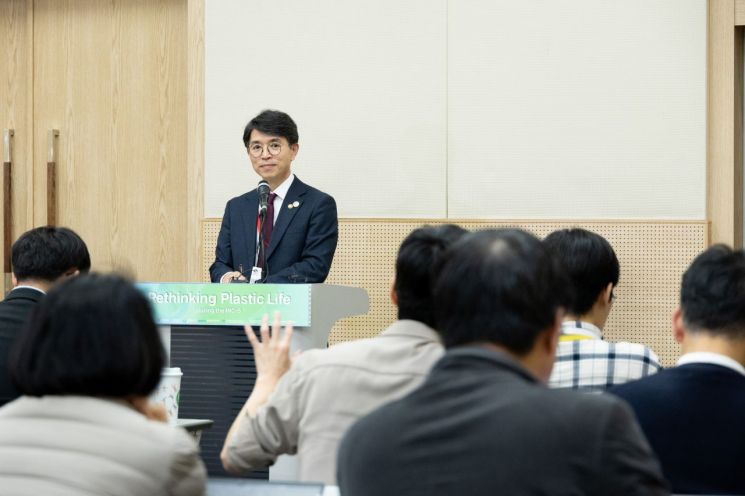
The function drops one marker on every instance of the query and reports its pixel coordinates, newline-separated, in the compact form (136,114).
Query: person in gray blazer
(483,422)
(39,258)
(306,408)
(86,363)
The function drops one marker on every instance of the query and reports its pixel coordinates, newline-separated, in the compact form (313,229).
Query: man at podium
(284,231)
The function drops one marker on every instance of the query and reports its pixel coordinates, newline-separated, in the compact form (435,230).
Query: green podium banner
(227,304)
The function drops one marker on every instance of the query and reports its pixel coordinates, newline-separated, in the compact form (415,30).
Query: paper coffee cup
(167,392)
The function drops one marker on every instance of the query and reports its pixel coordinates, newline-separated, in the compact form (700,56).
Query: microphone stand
(261,258)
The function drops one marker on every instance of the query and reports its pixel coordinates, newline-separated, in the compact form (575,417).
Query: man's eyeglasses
(257,149)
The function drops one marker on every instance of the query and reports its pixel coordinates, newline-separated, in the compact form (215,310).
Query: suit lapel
(296,192)
(250,211)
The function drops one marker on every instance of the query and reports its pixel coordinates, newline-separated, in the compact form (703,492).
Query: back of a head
(712,294)
(501,287)
(273,123)
(92,335)
(589,261)
(418,260)
(46,253)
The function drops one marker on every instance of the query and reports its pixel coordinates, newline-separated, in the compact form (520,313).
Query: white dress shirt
(712,358)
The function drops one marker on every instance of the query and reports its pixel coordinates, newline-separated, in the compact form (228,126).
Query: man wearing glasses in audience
(300,227)
(584,360)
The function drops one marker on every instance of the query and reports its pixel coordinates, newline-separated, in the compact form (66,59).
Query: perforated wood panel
(653,256)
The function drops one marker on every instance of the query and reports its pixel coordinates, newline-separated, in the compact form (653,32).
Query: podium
(201,326)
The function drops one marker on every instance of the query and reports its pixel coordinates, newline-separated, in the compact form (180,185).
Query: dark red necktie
(269,220)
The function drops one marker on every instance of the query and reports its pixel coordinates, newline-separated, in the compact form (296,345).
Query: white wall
(365,82)
(468,108)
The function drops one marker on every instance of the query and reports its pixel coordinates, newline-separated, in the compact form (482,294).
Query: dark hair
(712,294)
(92,335)
(589,261)
(273,123)
(48,252)
(418,257)
(498,286)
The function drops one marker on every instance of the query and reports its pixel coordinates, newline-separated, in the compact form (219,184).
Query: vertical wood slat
(739,12)
(195,142)
(724,123)
(737,144)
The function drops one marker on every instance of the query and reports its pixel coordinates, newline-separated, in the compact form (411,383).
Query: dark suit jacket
(303,239)
(481,425)
(694,418)
(15,309)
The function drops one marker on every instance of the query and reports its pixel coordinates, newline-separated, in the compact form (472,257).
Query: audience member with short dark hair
(483,422)
(39,258)
(692,414)
(324,391)
(584,360)
(85,364)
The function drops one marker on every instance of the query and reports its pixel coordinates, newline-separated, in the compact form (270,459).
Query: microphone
(263,190)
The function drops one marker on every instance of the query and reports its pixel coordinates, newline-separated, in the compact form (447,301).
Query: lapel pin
(294,204)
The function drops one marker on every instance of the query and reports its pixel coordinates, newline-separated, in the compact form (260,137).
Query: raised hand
(272,353)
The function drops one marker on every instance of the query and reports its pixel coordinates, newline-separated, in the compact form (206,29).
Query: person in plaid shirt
(584,360)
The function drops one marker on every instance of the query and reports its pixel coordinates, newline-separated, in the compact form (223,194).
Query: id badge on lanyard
(256,270)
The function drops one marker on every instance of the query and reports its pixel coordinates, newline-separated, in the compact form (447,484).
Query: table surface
(221,486)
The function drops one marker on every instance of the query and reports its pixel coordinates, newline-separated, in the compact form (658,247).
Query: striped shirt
(586,362)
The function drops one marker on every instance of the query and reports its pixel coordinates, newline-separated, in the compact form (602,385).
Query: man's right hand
(230,276)
(272,353)
(272,359)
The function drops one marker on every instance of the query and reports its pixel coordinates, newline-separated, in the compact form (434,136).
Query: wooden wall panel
(16,27)
(653,256)
(195,140)
(740,12)
(111,76)
(724,194)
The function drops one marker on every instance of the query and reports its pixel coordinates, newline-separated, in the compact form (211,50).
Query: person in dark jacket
(692,414)
(39,258)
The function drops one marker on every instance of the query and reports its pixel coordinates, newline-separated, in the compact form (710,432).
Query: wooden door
(15,116)
(111,78)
